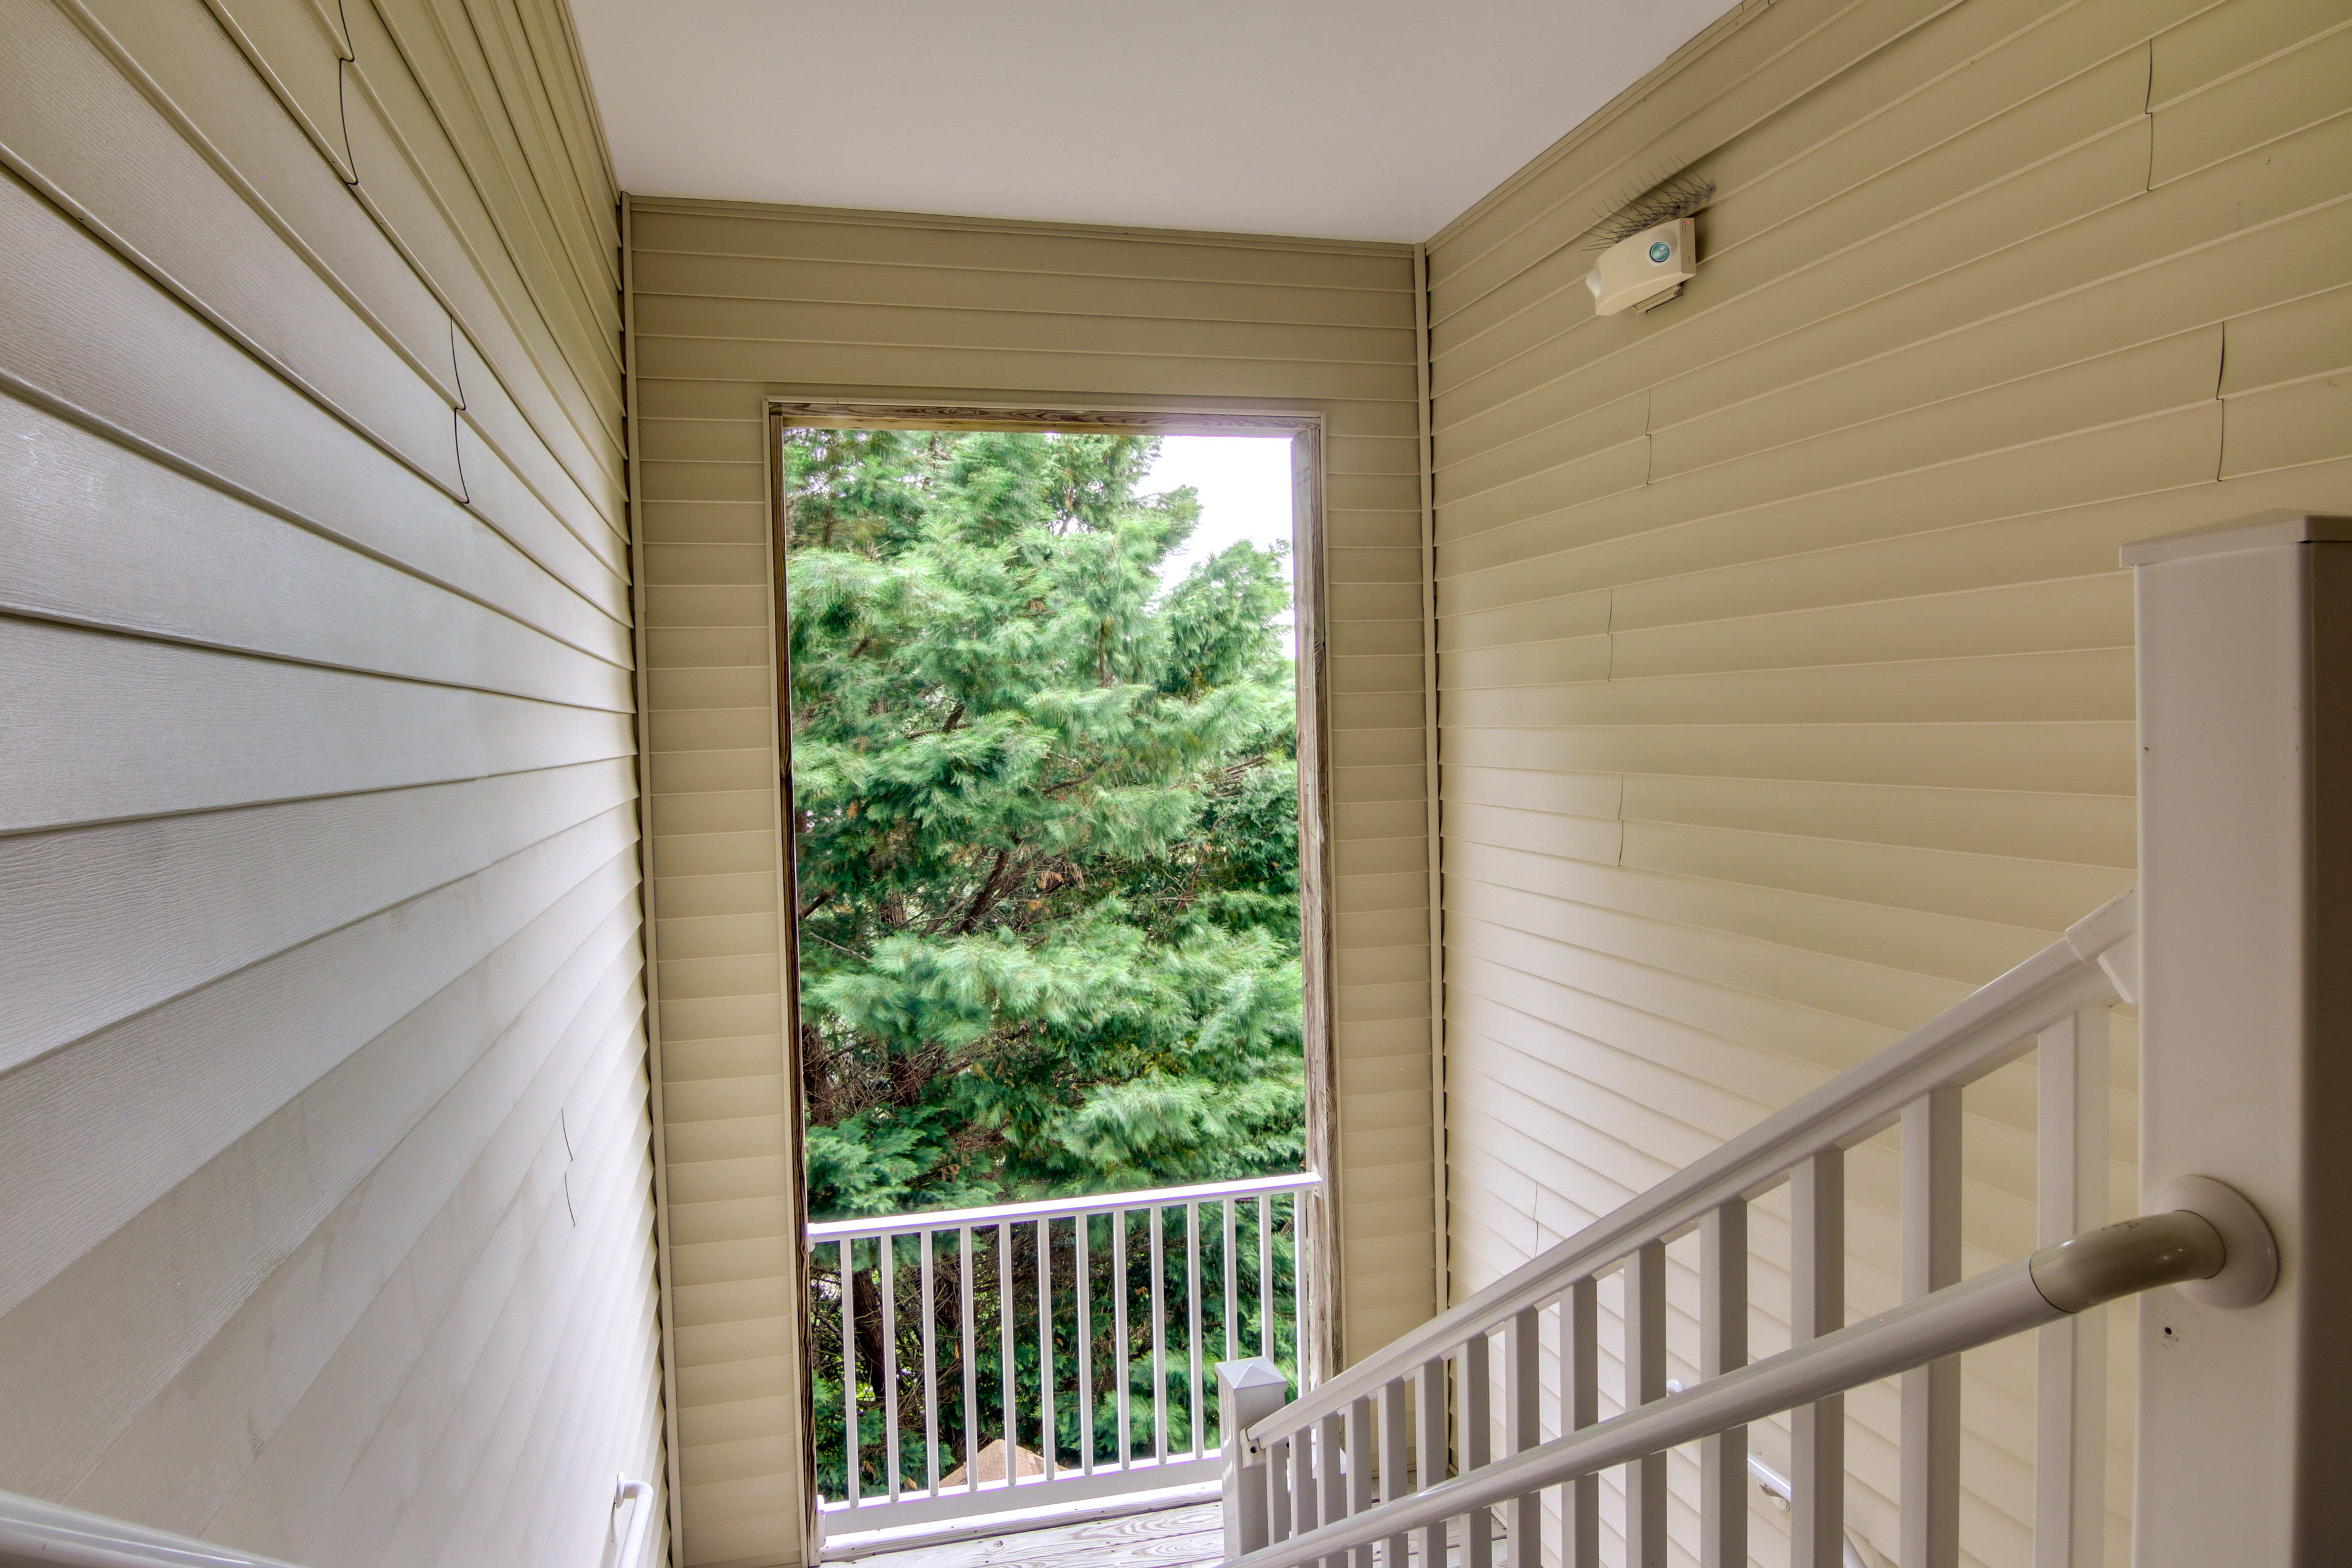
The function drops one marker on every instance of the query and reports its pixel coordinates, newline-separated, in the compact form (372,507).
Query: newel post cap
(1255,1372)
(2261,531)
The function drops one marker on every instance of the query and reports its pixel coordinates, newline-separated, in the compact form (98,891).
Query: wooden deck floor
(1170,1538)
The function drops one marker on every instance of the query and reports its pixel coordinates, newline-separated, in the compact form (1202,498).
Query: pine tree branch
(989,891)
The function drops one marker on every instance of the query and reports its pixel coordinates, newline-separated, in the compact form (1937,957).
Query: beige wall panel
(2287,426)
(978,248)
(244,1215)
(563,160)
(417,186)
(818,304)
(2306,338)
(906,287)
(196,72)
(326,1218)
(495,419)
(1759,242)
(999,327)
(1826,718)
(2140,459)
(2223,41)
(83,329)
(2302,86)
(496,492)
(441,48)
(401,961)
(2104,249)
(1783,51)
(99,535)
(156,199)
(1598,361)
(1110,372)
(112,698)
(298,47)
(384,1313)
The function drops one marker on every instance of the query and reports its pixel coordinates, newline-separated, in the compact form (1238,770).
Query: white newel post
(2245,846)
(1247,1393)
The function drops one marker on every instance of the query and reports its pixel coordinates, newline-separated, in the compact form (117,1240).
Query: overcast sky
(1243,483)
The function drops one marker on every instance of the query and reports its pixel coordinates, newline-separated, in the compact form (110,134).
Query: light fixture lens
(1661,250)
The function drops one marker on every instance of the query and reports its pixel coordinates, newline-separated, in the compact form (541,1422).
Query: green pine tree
(1047,827)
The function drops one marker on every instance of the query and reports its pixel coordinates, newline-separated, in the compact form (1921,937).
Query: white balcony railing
(974,1363)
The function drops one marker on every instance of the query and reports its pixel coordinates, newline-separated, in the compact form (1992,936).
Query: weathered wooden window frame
(1310,595)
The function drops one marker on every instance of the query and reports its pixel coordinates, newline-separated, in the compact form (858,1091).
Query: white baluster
(1085,1236)
(1817,1451)
(1306,1510)
(1474,1400)
(1645,1380)
(2070,1504)
(1723,1347)
(1523,1429)
(1118,1331)
(1281,1518)
(1232,1269)
(1581,1373)
(1012,1434)
(1159,1337)
(1432,1453)
(1192,1321)
(1047,1445)
(849,1360)
(1395,1480)
(1931,1394)
(1360,1466)
(1330,1448)
(970,1364)
(926,1239)
(888,1247)
(1265,1276)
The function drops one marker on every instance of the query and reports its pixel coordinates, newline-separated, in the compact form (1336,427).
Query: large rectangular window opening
(1053,695)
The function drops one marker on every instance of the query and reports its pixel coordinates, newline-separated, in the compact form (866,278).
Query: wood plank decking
(1169,1538)
(1187,1537)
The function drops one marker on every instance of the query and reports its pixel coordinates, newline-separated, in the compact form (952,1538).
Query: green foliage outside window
(1047,830)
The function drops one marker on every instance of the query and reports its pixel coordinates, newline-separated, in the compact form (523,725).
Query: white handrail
(1058,1208)
(632,1541)
(53,1536)
(37,1534)
(2100,1265)
(1986,1029)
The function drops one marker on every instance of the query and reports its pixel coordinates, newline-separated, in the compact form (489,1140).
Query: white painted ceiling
(1354,119)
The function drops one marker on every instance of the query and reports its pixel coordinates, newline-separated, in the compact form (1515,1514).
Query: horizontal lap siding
(1785,669)
(732,304)
(326,1220)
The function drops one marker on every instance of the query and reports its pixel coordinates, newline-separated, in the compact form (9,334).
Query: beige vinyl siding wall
(326,1221)
(1785,666)
(734,304)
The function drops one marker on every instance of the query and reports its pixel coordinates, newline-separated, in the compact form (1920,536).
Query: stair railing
(38,1535)
(1378,1460)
